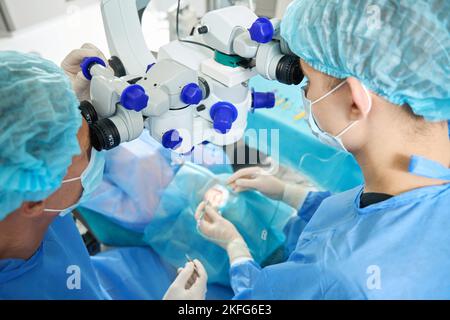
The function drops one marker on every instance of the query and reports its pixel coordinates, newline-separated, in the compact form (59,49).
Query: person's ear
(32,209)
(362,100)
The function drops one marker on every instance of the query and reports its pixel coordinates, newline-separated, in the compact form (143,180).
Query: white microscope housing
(197,88)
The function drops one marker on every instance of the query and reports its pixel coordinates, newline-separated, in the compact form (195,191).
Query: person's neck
(385,163)
(20,238)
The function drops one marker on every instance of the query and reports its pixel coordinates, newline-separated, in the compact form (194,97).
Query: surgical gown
(62,269)
(395,249)
(59,269)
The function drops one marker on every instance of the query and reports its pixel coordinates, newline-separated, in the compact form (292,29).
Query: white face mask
(323,136)
(91,178)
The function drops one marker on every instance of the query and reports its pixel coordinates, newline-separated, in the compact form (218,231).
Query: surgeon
(378,86)
(47,168)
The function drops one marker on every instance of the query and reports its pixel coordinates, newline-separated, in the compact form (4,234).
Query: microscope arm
(124,34)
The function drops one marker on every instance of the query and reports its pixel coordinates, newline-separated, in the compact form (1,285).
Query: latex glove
(221,231)
(71,66)
(256,178)
(190,284)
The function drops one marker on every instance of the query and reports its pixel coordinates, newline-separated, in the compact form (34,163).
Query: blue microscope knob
(171,139)
(191,94)
(134,98)
(149,67)
(223,115)
(262,30)
(188,153)
(263,100)
(87,63)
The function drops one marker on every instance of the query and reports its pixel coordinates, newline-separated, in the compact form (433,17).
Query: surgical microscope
(196,91)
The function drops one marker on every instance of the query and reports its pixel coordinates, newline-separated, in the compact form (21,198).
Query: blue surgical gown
(62,269)
(59,269)
(395,249)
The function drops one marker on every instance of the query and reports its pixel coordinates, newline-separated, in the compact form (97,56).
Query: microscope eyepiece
(273,64)
(104,135)
(288,70)
(88,112)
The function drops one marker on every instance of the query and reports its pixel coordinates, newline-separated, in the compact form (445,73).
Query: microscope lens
(288,70)
(104,135)
(88,112)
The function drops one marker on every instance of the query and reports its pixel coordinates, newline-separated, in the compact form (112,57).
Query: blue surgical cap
(399,49)
(39,121)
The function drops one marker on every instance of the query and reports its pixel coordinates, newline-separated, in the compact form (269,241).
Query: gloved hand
(221,231)
(258,179)
(71,66)
(190,284)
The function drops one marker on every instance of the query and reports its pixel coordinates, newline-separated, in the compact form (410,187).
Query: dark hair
(409,111)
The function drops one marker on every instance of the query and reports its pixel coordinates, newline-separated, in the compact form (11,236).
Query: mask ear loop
(340,134)
(369,98)
(323,97)
(329,92)
(354,122)
(61,210)
(57,210)
(71,180)
(90,164)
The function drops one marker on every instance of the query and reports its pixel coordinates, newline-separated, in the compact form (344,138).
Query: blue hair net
(39,121)
(399,49)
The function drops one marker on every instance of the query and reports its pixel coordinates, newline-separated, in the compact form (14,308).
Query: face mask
(90,179)
(323,136)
